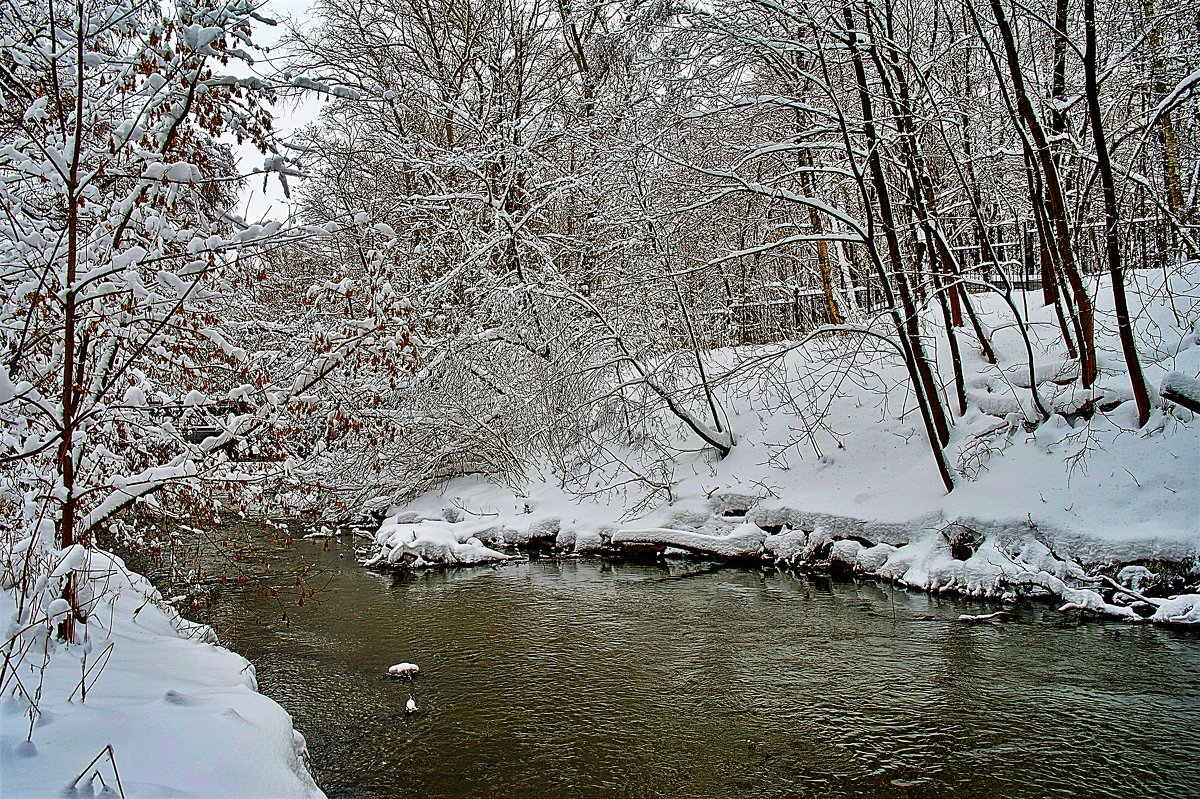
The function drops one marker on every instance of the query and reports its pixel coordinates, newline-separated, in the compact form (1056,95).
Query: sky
(271,204)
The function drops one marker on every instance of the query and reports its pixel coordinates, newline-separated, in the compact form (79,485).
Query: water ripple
(581,680)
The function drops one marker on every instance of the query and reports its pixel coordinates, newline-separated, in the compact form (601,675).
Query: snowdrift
(182,716)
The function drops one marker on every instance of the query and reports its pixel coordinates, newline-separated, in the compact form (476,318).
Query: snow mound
(431,542)
(182,717)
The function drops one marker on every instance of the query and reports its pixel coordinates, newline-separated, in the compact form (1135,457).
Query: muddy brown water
(588,679)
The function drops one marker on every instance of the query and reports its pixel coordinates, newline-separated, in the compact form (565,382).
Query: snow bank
(990,558)
(183,717)
(998,565)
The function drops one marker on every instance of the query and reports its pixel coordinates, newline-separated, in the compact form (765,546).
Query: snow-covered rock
(404,670)
(431,542)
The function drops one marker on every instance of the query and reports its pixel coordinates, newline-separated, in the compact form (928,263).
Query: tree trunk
(1058,127)
(914,356)
(1141,394)
(1056,204)
(66,449)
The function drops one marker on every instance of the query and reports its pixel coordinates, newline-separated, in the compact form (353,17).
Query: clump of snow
(1139,578)
(1185,388)
(432,543)
(1183,609)
(404,670)
(590,540)
(871,559)
(845,553)
(786,547)
(535,530)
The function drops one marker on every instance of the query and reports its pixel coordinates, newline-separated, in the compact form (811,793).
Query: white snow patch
(183,716)
(404,670)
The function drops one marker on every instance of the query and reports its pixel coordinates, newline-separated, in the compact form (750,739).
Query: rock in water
(404,670)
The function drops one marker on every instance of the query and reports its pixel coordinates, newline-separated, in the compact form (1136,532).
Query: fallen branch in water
(999,615)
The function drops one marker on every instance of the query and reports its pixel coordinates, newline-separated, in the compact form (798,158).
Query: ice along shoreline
(1155,581)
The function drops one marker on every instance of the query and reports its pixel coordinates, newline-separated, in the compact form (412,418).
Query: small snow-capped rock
(404,670)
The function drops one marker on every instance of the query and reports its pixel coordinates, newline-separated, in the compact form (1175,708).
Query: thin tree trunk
(985,344)
(922,201)
(824,263)
(1112,242)
(1057,208)
(1166,127)
(1058,128)
(918,366)
(960,389)
(66,455)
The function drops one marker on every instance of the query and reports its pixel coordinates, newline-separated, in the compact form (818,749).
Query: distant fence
(1145,243)
(770,312)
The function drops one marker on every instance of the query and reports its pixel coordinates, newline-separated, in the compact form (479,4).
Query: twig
(111,759)
(1130,592)
(999,614)
(101,661)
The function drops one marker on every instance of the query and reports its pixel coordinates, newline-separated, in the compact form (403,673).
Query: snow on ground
(1035,501)
(183,716)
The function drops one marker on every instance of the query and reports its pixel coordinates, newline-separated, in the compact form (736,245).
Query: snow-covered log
(1182,390)
(432,543)
(999,615)
(744,541)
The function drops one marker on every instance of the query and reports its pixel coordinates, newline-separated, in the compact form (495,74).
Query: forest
(887,287)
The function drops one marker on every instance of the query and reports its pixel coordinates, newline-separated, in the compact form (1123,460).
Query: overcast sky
(288,117)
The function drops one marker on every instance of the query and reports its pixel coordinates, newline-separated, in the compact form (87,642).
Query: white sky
(289,117)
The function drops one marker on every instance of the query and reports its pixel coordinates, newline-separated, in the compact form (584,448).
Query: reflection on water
(574,679)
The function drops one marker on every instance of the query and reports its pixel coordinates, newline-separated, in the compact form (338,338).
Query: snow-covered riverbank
(1152,579)
(831,469)
(168,712)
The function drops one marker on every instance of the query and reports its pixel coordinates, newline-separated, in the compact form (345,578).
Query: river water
(587,679)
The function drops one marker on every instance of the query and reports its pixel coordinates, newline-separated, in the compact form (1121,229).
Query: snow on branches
(144,341)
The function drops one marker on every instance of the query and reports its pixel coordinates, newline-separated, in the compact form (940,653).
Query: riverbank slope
(144,702)
(831,467)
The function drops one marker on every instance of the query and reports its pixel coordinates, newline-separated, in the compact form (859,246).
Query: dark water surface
(582,679)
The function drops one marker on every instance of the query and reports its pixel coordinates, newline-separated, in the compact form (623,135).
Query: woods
(594,195)
(556,236)
(904,294)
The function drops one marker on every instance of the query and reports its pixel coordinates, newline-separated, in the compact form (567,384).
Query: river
(589,679)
